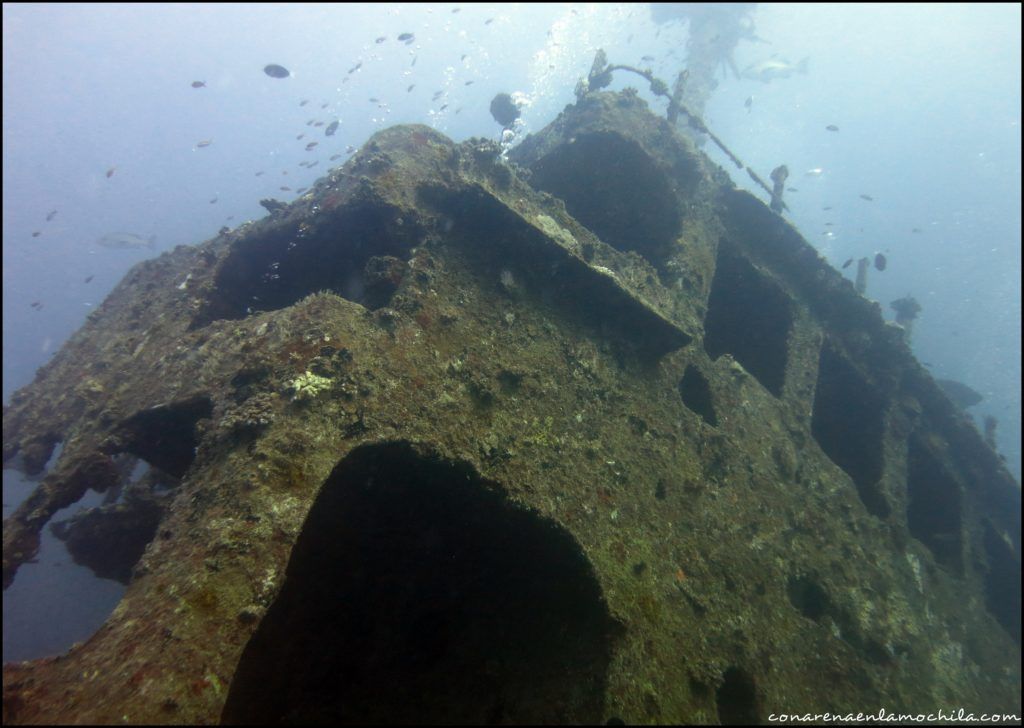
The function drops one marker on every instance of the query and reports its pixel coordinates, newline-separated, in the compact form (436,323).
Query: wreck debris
(601,74)
(274,207)
(861,285)
(907,309)
(778,176)
(990,423)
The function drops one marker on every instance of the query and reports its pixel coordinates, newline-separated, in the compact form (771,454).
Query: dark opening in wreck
(417,593)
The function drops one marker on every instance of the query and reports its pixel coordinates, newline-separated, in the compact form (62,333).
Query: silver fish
(773,68)
(126,241)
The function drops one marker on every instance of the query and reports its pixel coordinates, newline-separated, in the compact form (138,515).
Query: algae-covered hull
(592,435)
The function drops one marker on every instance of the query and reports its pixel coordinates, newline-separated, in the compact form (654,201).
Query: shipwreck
(587,435)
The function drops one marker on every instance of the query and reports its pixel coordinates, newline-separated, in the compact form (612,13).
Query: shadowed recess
(165,435)
(696,394)
(934,507)
(418,594)
(626,200)
(748,317)
(1002,583)
(358,253)
(847,422)
(736,698)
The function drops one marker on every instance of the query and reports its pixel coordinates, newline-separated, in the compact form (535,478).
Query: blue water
(927,100)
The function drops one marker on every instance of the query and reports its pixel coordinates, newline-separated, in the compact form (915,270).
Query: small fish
(647,58)
(285,189)
(913,230)
(410,88)
(374,100)
(36,234)
(488,21)
(407,38)
(303,102)
(959,392)
(110,172)
(37,305)
(318,123)
(832,127)
(331,128)
(89,278)
(51,215)
(198,84)
(204,143)
(355,68)
(310,122)
(468,83)
(455,10)
(301,190)
(334,157)
(464,56)
(748,103)
(437,95)
(310,146)
(826,208)
(126,241)
(792,189)
(259,174)
(413,61)
(380,40)
(213,201)
(869,198)
(325,105)
(880,261)
(312,164)
(275,71)
(828,224)
(299,137)
(847,263)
